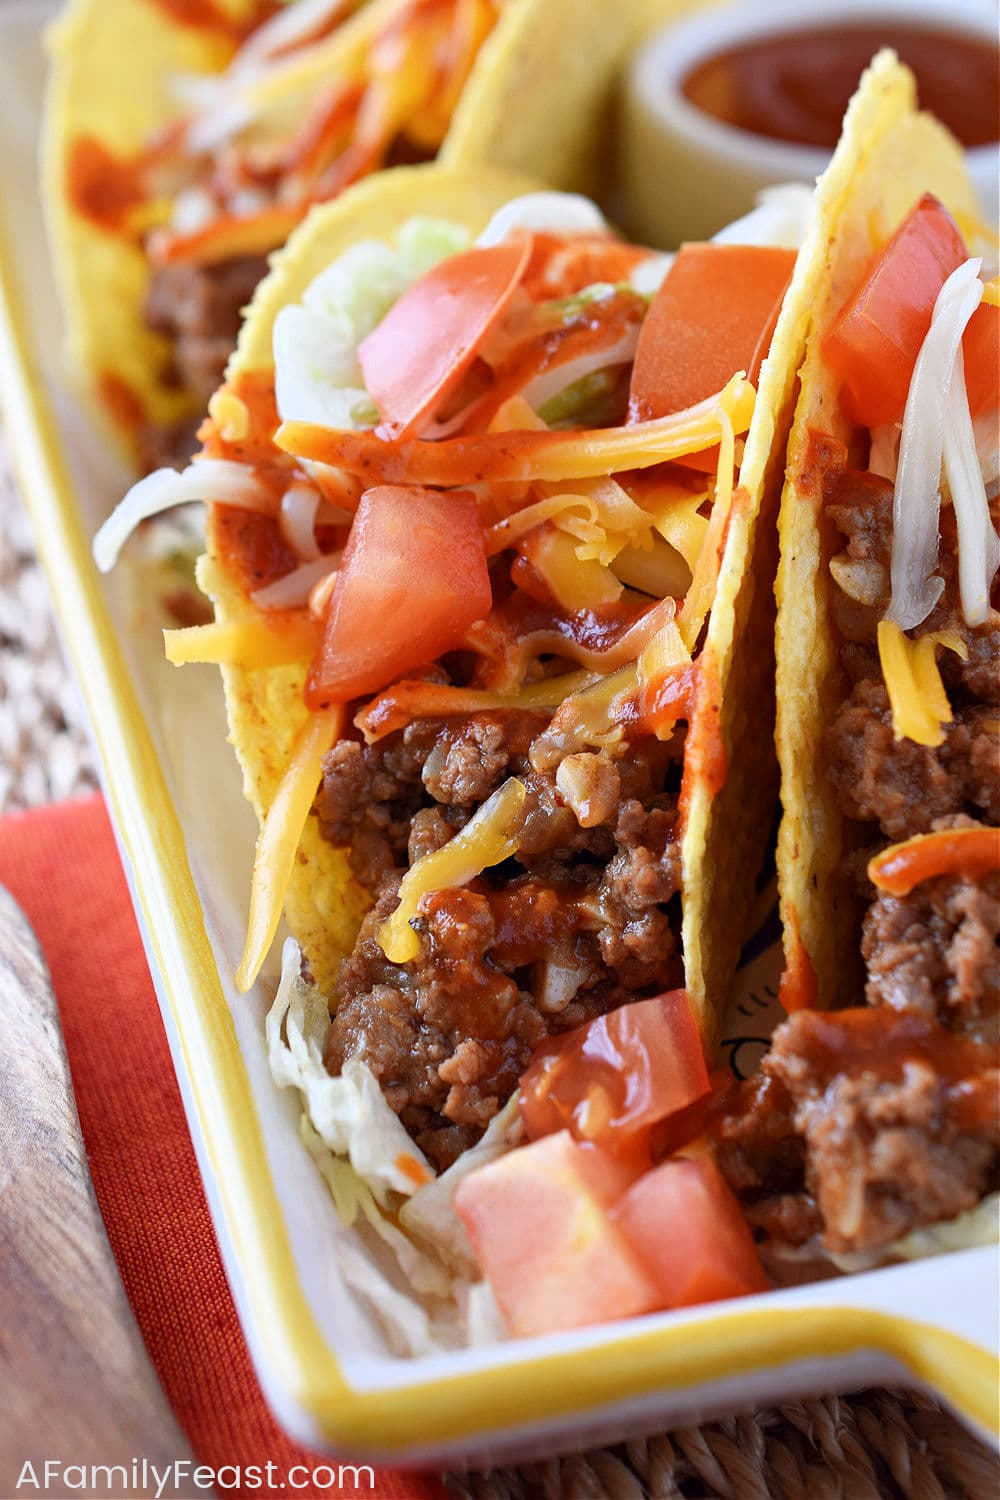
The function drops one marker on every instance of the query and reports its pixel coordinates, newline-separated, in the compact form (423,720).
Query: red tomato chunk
(413,578)
(567,1235)
(428,339)
(686,1225)
(714,314)
(612,1080)
(981,351)
(874,341)
(707,321)
(538,1222)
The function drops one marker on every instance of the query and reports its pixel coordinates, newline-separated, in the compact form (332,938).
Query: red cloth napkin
(61,865)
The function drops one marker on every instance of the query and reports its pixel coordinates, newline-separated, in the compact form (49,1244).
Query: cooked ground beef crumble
(575,924)
(867,1123)
(863,1124)
(198,308)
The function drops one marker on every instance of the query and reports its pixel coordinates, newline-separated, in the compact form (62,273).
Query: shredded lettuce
(570,308)
(349,1113)
(424,241)
(353,1197)
(650,274)
(358,1146)
(358,288)
(978,1226)
(317,374)
(316,370)
(591,401)
(430,1215)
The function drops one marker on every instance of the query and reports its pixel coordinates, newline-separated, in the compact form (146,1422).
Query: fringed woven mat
(878,1445)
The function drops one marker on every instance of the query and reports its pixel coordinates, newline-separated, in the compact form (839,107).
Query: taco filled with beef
(491,542)
(183,144)
(876,1115)
(495,616)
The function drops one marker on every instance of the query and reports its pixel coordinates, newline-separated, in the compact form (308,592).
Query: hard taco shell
(889,155)
(724,829)
(538,100)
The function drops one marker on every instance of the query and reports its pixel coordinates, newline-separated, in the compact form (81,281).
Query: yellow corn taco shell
(889,156)
(537,100)
(725,828)
(324,904)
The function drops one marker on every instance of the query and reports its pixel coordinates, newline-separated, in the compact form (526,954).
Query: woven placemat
(896,1445)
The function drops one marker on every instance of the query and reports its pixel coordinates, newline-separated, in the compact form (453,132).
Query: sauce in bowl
(795,85)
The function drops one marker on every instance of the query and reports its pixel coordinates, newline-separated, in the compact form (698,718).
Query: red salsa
(796,86)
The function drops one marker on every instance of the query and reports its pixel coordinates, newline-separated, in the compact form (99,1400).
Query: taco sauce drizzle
(105,189)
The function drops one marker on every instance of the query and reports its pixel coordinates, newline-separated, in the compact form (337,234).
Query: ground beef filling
(371,793)
(198,308)
(905,787)
(870,1122)
(862,1125)
(573,926)
(934,951)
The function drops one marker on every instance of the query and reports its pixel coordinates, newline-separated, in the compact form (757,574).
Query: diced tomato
(874,341)
(706,322)
(981,354)
(613,1079)
(686,1226)
(427,340)
(539,1225)
(413,578)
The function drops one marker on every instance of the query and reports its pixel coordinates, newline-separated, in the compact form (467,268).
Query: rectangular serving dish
(186,837)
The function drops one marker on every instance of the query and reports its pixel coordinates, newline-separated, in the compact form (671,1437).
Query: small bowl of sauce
(741,96)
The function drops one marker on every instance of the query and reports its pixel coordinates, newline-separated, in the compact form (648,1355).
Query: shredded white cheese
(211,479)
(917,499)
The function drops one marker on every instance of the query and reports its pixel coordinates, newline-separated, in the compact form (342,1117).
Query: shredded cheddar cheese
(698,599)
(394,708)
(575,514)
(279,838)
(576,584)
(972,851)
(537,457)
(665,651)
(586,720)
(680,524)
(250,642)
(515,415)
(621,522)
(230,414)
(920,707)
(489,837)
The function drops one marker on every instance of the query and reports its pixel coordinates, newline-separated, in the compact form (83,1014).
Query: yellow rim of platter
(528,1391)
